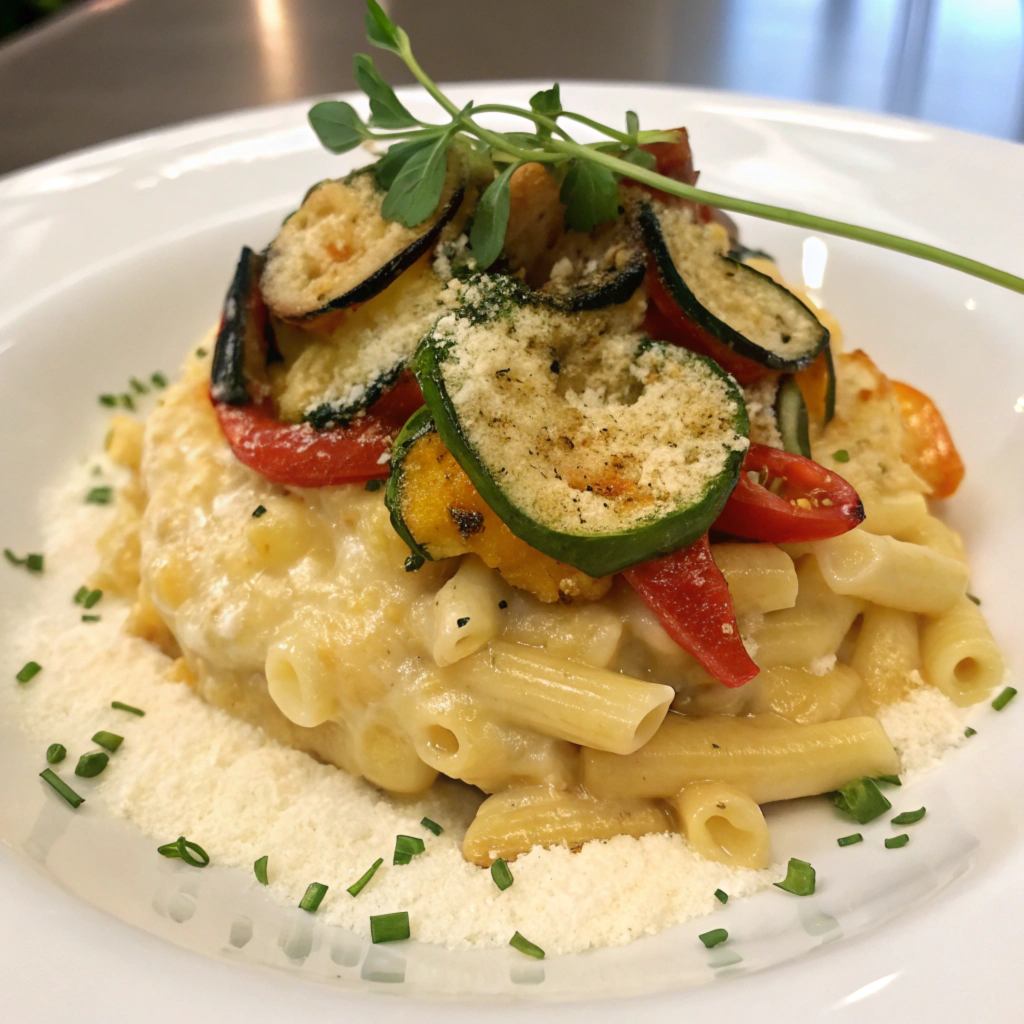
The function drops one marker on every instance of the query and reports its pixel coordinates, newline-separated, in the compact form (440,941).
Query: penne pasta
(887,651)
(761,577)
(723,824)
(959,656)
(802,696)
(465,612)
(766,759)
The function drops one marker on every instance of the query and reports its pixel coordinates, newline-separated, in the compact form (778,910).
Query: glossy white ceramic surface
(114,260)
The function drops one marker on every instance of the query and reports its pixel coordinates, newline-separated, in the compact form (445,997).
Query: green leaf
(417,188)
(338,127)
(491,219)
(388,166)
(386,109)
(641,158)
(381,30)
(632,122)
(590,194)
(547,102)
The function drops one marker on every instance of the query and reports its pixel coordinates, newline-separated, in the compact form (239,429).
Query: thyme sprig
(413,169)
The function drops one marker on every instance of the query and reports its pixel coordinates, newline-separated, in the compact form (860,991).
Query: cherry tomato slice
(297,455)
(786,499)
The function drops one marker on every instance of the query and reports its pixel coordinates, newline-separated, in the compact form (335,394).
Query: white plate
(114,260)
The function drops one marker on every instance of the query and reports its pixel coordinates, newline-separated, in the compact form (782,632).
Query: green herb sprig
(413,169)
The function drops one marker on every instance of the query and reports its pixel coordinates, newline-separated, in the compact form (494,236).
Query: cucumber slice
(245,336)
(791,417)
(594,444)
(738,305)
(337,249)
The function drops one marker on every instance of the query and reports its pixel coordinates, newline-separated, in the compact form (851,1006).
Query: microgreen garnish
(358,886)
(524,945)
(722,897)
(260,870)
(406,847)
(92,764)
(850,840)
(970,732)
(91,599)
(34,563)
(118,705)
(897,841)
(138,387)
(862,799)
(100,496)
(713,938)
(108,400)
(158,380)
(315,893)
(413,170)
(389,927)
(841,456)
(1004,698)
(502,874)
(126,401)
(432,825)
(55,753)
(800,878)
(54,780)
(30,671)
(81,594)
(186,850)
(108,740)
(909,817)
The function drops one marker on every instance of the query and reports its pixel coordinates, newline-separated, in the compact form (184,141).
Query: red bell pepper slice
(297,455)
(688,593)
(790,500)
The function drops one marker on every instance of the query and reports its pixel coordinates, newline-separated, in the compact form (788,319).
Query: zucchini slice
(737,304)
(592,443)
(337,249)
(245,337)
(328,376)
(569,270)
(791,417)
(438,512)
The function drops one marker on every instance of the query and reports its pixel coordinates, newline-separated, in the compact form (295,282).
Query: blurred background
(80,72)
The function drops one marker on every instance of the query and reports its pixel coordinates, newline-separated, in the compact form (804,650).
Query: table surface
(112,67)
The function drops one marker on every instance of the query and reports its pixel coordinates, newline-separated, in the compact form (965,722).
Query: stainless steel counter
(112,67)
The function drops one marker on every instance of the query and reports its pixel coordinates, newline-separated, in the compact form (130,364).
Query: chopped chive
(971,597)
(841,456)
(800,878)
(909,817)
(90,765)
(81,594)
(108,740)
(34,563)
(158,379)
(55,753)
(406,847)
(260,870)
(92,598)
(30,671)
(413,562)
(137,386)
(862,799)
(374,485)
(357,887)
(897,841)
(258,511)
(186,850)
(714,938)
(722,897)
(1004,698)
(503,605)
(100,496)
(127,707)
(524,945)
(390,927)
(462,622)
(970,732)
(126,401)
(315,893)
(850,840)
(893,780)
(13,558)
(108,400)
(502,874)
(432,825)
(170,850)
(91,618)
(50,776)
(200,352)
